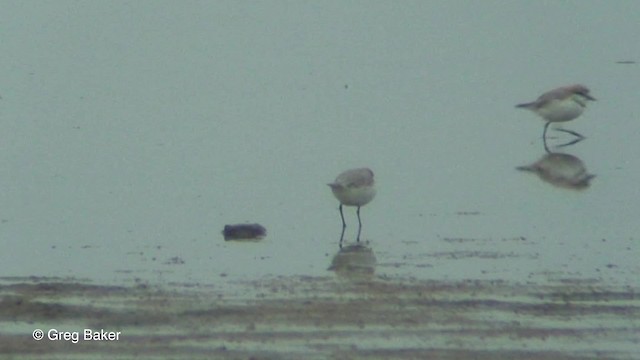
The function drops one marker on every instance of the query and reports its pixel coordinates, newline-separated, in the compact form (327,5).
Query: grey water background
(132,132)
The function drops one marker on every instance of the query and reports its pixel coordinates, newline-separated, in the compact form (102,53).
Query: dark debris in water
(244,232)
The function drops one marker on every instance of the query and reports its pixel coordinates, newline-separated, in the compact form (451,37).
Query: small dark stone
(244,232)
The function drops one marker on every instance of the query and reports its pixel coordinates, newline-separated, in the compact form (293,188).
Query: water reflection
(354,262)
(561,170)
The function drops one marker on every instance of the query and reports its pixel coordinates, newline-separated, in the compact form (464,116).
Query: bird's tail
(526,168)
(530,105)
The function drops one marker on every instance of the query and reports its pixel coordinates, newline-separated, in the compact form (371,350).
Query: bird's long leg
(544,137)
(572,142)
(359,224)
(576,134)
(544,132)
(344,225)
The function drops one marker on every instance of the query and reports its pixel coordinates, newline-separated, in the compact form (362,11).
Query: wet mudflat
(351,315)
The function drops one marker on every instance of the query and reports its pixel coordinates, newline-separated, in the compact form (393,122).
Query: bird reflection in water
(354,262)
(561,170)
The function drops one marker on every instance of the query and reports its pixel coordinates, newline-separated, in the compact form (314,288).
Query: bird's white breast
(354,196)
(561,110)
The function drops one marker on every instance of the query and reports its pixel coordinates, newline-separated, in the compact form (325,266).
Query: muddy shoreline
(325,317)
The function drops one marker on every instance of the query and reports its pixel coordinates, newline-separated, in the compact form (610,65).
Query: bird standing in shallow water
(559,105)
(353,187)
